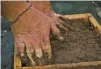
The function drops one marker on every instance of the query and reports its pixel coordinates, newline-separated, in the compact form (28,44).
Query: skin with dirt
(29,21)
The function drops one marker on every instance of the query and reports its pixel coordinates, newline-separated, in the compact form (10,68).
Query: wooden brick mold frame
(87,17)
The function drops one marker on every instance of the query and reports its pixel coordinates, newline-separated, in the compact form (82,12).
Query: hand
(32,32)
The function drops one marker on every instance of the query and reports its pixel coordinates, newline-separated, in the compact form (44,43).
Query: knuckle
(47,48)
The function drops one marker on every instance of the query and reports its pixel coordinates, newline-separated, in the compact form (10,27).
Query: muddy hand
(58,24)
(46,8)
(31,31)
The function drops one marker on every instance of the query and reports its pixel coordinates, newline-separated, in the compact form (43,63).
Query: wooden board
(87,17)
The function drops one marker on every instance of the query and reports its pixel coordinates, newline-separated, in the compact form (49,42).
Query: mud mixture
(81,45)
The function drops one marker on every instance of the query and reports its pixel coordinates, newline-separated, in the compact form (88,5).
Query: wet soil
(81,44)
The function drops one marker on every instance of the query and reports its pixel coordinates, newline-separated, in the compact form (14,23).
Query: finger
(60,20)
(63,21)
(47,50)
(21,49)
(46,45)
(29,54)
(66,25)
(37,46)
(60,26)
(56,32)
(29,49)
(20,45)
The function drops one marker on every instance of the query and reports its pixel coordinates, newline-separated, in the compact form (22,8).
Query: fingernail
(39,53)
(31,59)
(49,54)
(61,38)
(66,29)
(22,54)
(33,63)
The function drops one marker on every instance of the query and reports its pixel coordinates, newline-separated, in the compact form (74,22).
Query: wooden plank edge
(71,65)
(96,25)
(17,61)
(76,16)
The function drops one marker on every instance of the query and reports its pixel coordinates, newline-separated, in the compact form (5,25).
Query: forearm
(43,6)
(11,9)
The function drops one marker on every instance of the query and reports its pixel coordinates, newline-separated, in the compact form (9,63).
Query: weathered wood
(95,24)
(76,16)
(17,61)
(71,65)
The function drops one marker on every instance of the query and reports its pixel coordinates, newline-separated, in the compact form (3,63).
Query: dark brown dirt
(81,45)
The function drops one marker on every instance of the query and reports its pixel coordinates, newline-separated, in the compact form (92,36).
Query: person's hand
(46,8)
(32,32)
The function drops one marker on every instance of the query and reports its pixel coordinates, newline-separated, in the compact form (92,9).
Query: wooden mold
(87,17)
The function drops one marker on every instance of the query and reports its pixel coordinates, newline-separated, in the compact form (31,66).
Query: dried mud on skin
(81,45)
